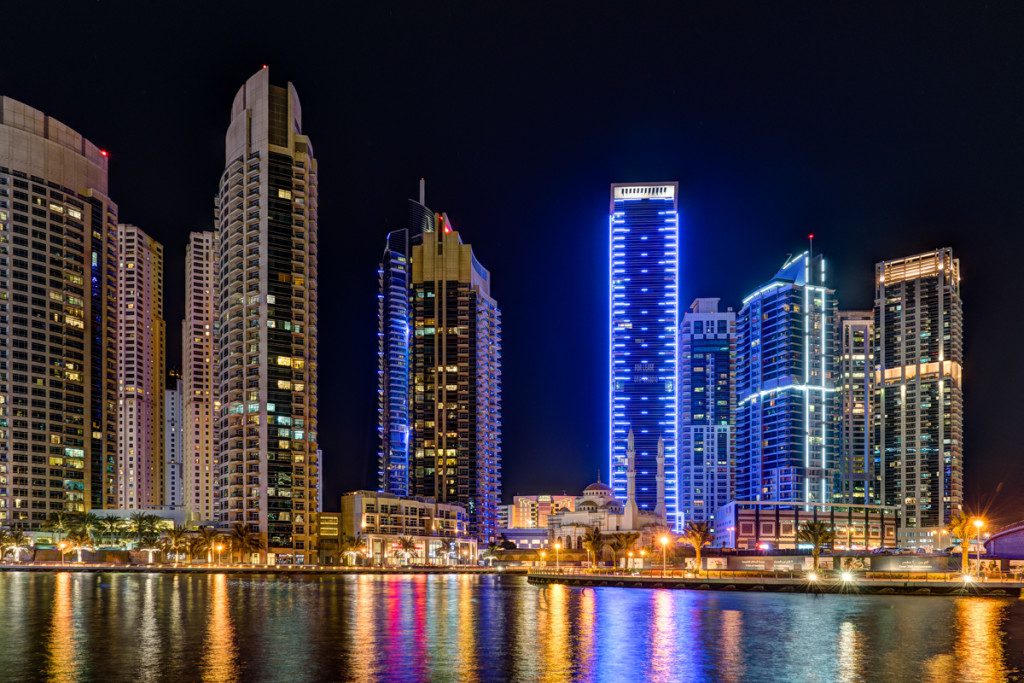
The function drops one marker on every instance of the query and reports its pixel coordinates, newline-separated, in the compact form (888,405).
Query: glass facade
(644,326)
(707,397)
(787,434)
(855,369)
(918,387)
(393,365)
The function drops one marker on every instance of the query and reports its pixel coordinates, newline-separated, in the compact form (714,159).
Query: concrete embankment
(823,584)
(252,569)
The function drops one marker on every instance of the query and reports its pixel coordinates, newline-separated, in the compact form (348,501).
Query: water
(149,627)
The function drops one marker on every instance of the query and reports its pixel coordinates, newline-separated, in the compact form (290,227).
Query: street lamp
(558,546)
(630,564)
(218,548)
(62,545)
(979,524)
(664,549)
(544,557)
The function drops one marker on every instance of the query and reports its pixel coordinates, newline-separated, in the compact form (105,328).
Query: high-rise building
(394,337)
(266,335)
(58,334)
(393,364)
(200,379)
(174,466)
(854,372)
(456,378)
(918,409)
(707,415)
(140,370)
(787,444)
(644,322)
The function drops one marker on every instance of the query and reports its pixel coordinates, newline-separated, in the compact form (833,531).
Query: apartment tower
(918,410)
(455,365)
(267,469)
(174,465)
(786,430)
(140,370)
(200,380)
(707,416)
(854,374)
(644,328)
(58,337)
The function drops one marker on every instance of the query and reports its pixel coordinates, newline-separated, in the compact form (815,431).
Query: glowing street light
(558,546)
(847,577)
(218,548)
(544,557)
(62,545)
(979,524)
(812,576)
(664,548)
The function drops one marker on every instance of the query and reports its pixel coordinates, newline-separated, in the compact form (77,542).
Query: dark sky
(887,129)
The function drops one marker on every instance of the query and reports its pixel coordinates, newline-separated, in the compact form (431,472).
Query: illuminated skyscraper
(707,415)
(393,348)
(787,444)
(200,385)
(173,435)
(140,370)
(456,378)
(266,336)
(854,372)
(919,401)
(644,328)
(58,334)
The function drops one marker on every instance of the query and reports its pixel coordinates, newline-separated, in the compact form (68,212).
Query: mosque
(598,507)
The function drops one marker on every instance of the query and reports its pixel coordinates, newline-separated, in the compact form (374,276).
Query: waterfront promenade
(304,569)
(867,583)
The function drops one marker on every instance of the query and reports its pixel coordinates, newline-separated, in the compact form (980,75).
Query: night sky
(887,131)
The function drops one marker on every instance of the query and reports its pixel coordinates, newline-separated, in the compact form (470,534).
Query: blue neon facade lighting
(643,344)
(393,365)
(787,427)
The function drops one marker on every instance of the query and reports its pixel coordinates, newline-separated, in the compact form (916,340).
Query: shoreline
(253,569)
(824,585)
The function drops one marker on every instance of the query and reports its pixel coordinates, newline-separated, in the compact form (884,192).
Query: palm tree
(209,539)
(58,524)
(818,534)
(175,539)
(621,542)
(79,540)
(446,547)
(18,541)
(698,535)
(143,526)
(243,541)
(349,545)
(110,527)
(86,521)
(961,527)
(194,545)
(5,542)
(593,543)
(407,545)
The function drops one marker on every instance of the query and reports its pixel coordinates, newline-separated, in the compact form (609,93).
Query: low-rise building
(527,539)
(532,512)
(398,530)
(773,525)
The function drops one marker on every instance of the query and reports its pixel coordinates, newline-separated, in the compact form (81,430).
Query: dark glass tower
(787,431)
(644,327)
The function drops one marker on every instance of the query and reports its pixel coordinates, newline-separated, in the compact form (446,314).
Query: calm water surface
(150,627)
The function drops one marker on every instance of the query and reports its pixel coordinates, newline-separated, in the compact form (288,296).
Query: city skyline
(854,229)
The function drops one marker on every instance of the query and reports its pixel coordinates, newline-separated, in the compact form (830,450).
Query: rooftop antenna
(810,260)
(423,191)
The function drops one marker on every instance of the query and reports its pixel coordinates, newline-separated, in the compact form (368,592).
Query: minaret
(659,509)
(631,513)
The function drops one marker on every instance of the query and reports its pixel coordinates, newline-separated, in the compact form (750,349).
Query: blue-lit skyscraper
(787,432)
(644,321)
(394,311)
(393,364)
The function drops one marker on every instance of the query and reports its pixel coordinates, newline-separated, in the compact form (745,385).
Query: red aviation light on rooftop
(264,66)
(810,236)
(104,153)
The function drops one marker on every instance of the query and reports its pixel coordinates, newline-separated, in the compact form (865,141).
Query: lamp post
(61,546)
(219,548)
(979,524)
(664,549)
(544,557)
(558,547)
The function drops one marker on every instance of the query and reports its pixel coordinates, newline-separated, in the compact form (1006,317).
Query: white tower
(632,513)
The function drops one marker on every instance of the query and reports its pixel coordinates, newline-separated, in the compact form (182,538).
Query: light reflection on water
(148,627)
